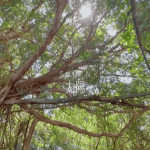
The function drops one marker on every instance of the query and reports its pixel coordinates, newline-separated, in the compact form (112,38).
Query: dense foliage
(74,74)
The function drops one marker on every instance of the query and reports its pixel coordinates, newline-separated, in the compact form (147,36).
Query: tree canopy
(74,74)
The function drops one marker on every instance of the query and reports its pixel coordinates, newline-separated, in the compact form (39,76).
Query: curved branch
(148,28)
(74,128)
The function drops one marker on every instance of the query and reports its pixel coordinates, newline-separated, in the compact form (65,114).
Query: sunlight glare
(85,11)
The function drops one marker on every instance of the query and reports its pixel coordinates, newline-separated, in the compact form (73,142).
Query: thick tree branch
(39,52)
(137,29)
(74,128)
(114,101)
(4,2)
(27,141)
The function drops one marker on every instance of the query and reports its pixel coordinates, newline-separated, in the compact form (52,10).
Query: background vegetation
(70,81)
